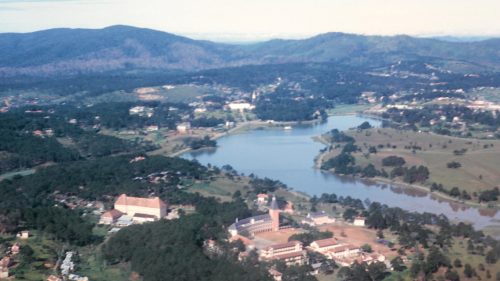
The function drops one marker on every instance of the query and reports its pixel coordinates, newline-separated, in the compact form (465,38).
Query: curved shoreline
(447,198)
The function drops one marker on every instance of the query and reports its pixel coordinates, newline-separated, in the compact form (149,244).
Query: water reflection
(287,155)
(488,212)
(412,192)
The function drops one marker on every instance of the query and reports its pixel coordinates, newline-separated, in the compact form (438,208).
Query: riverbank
(447,198)
(319,162)
(436,194)
(287,155)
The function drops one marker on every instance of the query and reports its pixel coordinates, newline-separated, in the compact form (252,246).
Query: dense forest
(99,178)
(27,140)
(58,223)
(173,250)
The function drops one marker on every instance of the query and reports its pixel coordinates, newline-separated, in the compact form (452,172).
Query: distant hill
(76,51)
(376,50)
(461,39)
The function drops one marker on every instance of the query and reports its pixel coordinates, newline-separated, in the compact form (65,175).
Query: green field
(349,109)
(477,162)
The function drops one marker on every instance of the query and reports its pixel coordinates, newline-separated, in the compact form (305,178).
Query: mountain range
(79,51)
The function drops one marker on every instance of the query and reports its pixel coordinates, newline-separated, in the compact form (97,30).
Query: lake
(288,156)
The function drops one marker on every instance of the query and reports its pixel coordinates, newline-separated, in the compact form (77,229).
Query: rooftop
(274,205)
(290,255)
(141,202)
(239,224)
(326,242)
(282,245)
(318,215)
(113,213)
(243,239)
(274,272)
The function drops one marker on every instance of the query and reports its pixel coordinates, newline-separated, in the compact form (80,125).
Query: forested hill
(76,51)
(363,50)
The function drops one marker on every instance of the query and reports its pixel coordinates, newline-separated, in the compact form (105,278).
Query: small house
(4,273)
(6,262)
(184,127)
(275,274)
(23,234)
(247,242)
(15,249)
(261,198)
(111,217)
(359,221)
(318,218)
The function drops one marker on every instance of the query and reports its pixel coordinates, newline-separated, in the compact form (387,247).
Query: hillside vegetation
(478,170)
(75,51)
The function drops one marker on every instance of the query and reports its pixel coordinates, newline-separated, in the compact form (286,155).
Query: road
(243,116)
(22,173)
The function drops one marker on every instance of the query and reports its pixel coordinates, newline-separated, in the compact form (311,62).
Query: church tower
(274,212)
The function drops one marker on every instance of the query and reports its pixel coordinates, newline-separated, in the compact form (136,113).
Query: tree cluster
(173,250)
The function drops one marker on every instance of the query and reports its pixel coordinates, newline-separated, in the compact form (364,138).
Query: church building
(259,224)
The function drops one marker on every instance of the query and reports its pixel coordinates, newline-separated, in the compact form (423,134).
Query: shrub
(393,161)
(454,165)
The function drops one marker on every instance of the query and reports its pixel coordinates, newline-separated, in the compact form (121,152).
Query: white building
(324,245)
(136,110)
(183,127)
(241,106)
(359,221)
(318,218)
(261,198)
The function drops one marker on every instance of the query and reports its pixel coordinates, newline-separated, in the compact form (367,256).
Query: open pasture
(480,164)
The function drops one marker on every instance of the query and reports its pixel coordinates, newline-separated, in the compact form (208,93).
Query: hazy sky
(253,20)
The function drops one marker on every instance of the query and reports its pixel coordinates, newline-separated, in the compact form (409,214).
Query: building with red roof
(147,206)
(292,253)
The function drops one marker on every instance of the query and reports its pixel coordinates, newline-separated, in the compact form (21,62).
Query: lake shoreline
(279,154)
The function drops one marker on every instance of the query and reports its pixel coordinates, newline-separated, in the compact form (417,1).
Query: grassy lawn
(182,93)
(460,252)
(436,152)
(66,142)
(349,109)
(492,95)
(223,187)
(173,141)
(219,114)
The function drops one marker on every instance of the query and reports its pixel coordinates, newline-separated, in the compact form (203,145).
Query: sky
(259,20)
